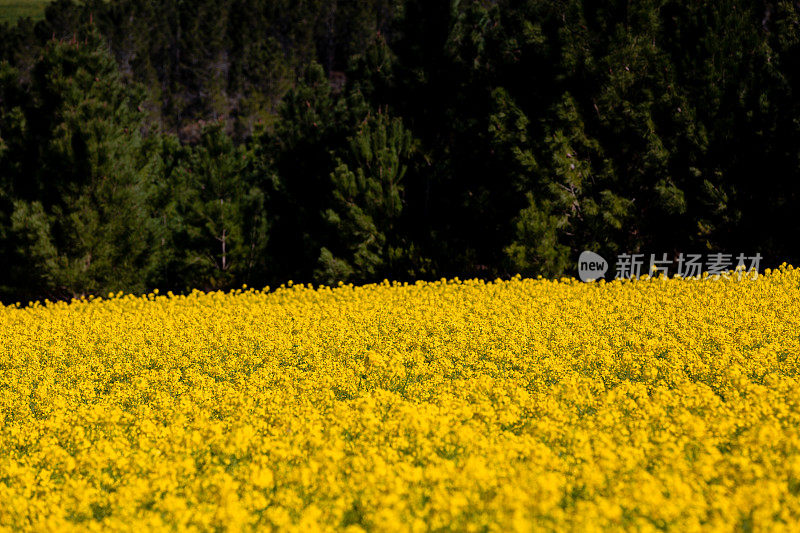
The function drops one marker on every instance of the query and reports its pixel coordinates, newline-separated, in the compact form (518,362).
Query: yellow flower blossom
(453,405)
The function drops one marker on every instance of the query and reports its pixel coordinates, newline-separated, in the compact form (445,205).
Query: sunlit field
(11,10)
(465,406)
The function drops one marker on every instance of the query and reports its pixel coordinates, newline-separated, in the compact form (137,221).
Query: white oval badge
(591,266)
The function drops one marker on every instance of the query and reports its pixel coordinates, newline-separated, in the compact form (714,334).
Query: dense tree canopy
(203,144)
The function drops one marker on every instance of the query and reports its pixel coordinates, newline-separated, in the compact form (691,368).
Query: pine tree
(215,221)
(78,177)
(368,203)
(293,163)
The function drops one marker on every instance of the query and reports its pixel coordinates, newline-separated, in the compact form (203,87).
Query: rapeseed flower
(455,405)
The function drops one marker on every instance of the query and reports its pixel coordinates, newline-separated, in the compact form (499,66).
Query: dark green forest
(208,144)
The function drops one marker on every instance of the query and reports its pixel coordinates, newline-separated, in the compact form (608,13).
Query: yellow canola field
(466,406)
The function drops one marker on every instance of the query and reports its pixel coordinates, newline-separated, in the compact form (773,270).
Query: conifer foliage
(177,145)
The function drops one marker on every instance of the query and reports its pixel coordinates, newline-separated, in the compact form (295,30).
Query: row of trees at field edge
(208,144)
